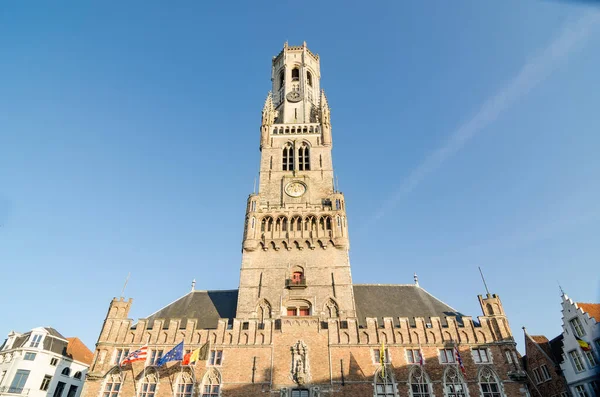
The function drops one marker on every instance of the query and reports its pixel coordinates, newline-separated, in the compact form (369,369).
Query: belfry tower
(295,247)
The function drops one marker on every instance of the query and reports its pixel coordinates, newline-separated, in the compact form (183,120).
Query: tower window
(288,158)
(295,74)
(309,79)
(304,157)
(281,78)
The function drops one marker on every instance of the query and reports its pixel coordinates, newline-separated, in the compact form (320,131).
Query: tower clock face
(293,96)
(295,189)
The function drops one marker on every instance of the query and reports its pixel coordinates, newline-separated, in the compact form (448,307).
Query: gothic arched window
(419,384)
(112,385)
(304,157)
(288,158)
(295,74)
(281,78)
(211,386)
(454,385)
(489,383)
(66,371)
(185,385)
(309,79)
(148,385)
(384,385)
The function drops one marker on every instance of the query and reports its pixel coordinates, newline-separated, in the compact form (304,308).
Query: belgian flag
(584,345)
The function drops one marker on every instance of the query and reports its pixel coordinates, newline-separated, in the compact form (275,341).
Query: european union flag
(175,354)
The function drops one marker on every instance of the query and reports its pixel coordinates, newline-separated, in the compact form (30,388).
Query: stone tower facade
(295,248)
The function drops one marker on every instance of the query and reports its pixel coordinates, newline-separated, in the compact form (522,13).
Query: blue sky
(465,135)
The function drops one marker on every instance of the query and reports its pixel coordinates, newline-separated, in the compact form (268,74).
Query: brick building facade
(297,326)
(542,362)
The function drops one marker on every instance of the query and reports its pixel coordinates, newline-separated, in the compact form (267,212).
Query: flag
(175,354)
(583,344)
(138,355)
(191,357)
(459,360)
(204,351)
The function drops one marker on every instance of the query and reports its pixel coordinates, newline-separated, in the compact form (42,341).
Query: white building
(581,368)
(42,363)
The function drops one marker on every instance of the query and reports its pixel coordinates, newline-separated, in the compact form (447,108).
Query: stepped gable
(206,307)
(403,300)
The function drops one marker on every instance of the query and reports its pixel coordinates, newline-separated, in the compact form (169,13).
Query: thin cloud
(571,38)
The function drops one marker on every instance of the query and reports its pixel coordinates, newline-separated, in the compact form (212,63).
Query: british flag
(459,360)
(138,355)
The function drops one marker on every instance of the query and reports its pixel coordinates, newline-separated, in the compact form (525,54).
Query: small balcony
(295,283)
(17,391)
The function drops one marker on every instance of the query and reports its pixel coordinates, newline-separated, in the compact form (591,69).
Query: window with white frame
(377,356)
(216,357)
(211,384)
(384,385)
(576,360)
(480,356)
(112,387)
(536,376)
(120,354)
(577,327)
(590,357)
(185,386)
(447,356)
(413,356)
(488,382)
(419,383)
(148,385)
(454,385)
(54,361)
(581,392)
(29,356)
(545,373)
(35,340)
(595,386)
(46,383)
(155,355)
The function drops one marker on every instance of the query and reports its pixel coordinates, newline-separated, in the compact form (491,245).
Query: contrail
(572,37)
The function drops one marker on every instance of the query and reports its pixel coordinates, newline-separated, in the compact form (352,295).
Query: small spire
(193,285)
(562,292)
(416,279)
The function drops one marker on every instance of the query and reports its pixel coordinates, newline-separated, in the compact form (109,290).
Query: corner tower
(295,247)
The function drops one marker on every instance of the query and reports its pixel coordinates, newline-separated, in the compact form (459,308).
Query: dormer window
(309,79)
(295,74)
(35,340)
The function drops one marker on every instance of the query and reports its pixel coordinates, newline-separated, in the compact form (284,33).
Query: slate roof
(72,348)
(404,300)
(206,307)
(372,300)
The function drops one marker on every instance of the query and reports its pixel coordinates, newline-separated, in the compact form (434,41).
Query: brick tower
(295,248)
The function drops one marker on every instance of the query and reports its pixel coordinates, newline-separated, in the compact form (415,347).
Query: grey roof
(54,332)
(372,300)
(408,300)
(206,307)
(53,342)
(556,347)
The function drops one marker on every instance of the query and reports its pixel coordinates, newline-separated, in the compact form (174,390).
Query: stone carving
(299,370)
